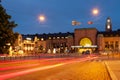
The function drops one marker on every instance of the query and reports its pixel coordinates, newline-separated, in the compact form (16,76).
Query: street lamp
(95,11)
(41,18)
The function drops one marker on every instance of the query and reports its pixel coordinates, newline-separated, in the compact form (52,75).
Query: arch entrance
(86,46)
(85,42)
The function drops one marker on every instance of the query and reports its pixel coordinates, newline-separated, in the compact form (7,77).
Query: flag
(90,22)
(74,23)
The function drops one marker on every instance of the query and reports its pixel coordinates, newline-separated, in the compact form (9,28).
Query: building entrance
(85,44)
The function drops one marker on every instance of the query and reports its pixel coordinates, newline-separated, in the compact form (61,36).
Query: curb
(112,75)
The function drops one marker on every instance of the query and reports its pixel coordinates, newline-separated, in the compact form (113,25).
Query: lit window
(58,37)
(28,38)
(66,37)
(42,39)
(27,41)
(53,37)
(49,37)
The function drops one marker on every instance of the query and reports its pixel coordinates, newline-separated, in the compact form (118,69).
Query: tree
(7,36)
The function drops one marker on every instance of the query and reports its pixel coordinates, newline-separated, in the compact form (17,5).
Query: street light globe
(95,11)
(42,18)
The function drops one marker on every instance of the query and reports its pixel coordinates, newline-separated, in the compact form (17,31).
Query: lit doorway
(86,44)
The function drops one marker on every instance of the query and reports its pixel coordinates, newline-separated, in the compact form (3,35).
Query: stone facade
(90,33)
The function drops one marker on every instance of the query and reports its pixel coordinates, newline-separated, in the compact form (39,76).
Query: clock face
(108,20)
(108,26)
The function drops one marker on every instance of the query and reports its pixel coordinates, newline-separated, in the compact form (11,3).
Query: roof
(110,34)
(46,36)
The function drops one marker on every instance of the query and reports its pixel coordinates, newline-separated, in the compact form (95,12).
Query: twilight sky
(60,13)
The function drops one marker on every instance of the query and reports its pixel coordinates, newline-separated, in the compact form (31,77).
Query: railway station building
(79,41)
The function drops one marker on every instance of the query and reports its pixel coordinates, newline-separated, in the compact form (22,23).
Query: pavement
(113,67)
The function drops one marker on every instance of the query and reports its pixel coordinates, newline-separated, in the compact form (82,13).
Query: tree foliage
(7,36)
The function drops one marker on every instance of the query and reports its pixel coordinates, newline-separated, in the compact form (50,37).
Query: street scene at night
(66,68)
(59,40)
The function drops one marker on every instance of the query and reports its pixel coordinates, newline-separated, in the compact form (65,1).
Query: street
(86,68)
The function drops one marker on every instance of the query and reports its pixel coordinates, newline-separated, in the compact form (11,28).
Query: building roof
(110,33)
(86,28)
(47,36)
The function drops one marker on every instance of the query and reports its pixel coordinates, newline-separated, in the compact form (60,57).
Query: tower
(108,25)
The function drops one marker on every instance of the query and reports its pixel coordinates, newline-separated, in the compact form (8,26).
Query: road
(86,68)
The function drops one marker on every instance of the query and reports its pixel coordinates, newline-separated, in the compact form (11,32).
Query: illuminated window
(49,37)
(42,39)
(62,37)
(66,37)
(28,39)
(53,37)
(58,37)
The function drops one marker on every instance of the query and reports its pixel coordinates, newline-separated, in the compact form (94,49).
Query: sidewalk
(113,67)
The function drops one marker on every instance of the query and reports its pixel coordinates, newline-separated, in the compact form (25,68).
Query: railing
(28,57)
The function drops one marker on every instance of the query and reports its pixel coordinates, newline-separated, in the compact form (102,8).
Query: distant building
(81,40)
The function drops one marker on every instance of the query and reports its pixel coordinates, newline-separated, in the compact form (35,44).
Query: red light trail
(64,62)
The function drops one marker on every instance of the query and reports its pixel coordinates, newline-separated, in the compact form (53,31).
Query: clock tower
(108,25)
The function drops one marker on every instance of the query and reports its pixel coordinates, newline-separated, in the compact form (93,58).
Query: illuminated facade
(80,40)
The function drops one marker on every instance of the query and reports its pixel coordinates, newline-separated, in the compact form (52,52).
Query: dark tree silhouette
(7,36)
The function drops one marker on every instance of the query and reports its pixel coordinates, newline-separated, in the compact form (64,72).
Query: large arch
(85,42)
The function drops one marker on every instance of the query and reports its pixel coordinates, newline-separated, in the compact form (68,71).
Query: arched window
(85,42)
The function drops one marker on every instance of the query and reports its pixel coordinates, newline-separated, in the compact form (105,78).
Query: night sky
(60,13)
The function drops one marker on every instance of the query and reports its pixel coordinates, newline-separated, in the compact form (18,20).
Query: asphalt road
(55,69)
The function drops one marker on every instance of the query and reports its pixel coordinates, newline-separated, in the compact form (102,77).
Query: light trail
(17,67)
(10,75)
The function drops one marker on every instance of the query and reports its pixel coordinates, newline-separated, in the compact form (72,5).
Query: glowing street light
(41,18)
(95,11)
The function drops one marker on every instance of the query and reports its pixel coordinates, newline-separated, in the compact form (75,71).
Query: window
(106,45)
(42,39)
(53,37)
(49,37)
(116,45)
(58,37)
